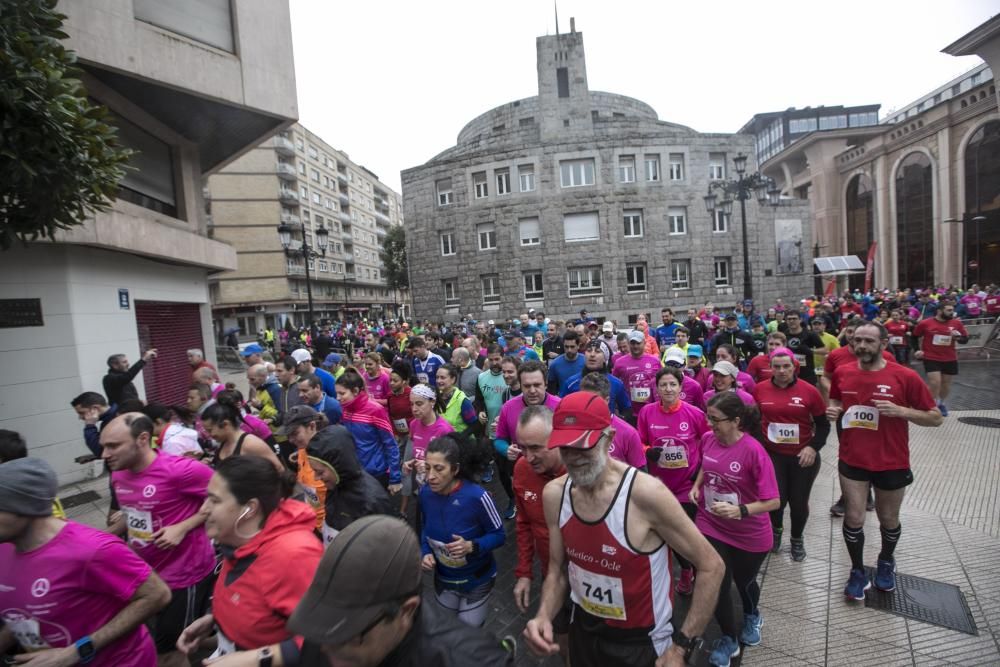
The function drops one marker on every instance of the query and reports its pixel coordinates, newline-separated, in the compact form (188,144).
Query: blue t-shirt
(618,402)
(562,369)
(426,371)
(666,334)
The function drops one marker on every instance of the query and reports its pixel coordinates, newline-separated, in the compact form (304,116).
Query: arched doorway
(914,222)
(860,207)
(982,201)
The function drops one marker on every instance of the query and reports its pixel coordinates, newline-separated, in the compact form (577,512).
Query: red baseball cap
(579,421)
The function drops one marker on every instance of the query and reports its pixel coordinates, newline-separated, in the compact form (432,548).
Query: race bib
(860,416)
(673,456)
(401,426)
(801,358)
(895,340)
(712,496)
(424,378)
(226,646)
(641,394)
(310,495)
(328,534)
(941,339)
(28,634)
(783,434)
(140,526)
(599,594)
(442,555)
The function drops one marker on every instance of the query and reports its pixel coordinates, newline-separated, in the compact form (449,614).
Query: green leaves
(394,255)
(60,159)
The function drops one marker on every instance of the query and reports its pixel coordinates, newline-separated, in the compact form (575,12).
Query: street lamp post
(743,188)
(307,253)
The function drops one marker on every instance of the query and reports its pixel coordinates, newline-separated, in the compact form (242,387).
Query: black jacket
(436,639)
(118,385)
(357,493)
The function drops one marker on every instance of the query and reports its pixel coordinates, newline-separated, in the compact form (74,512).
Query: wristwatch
(475,548)
(744,512)
(691,645)
(85,649)
(264,657)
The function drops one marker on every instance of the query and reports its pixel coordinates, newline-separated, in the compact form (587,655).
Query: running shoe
(857,585)
(885,575)
(685,585)
(776,546)
(752,624)
(837,509)
(487,475)
(943,408)
(798,550)
(511,511)
(723,651)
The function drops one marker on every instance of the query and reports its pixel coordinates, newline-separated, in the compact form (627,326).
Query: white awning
(839,266)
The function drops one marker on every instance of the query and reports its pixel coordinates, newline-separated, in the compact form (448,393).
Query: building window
(562,81)
(314,175)
(491,289)
(633,223)
(447,244)
(720,222)
(206,21)
(316,199)
(722,272)
(450,294)
(529,231)
(677,166)
(677,220)
(533,286)
(574,173)
(503,181)
(635,277)
(716,166)
(302,168)
(680,274)
(832,122)
(652,167)
(581,227)
(149,182)
(480,185)
(626,169)
(526,176)
(313,153)
(584,282)
(487,233)
(323,267)
(444,193)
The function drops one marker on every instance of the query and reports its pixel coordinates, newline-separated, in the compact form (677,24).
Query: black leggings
(741,568)
(690,509)
(504,468)
(794,484)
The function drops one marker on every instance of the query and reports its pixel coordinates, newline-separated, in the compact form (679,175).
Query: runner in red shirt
(759,367)
(899,336)
(936,337)
(794,428)
(874,401)
(992,303)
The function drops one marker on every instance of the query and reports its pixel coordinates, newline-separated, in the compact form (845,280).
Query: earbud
(246,510)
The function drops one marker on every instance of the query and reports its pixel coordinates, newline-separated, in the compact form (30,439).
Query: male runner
(874,401)
(161,498)
(637,371)
(566,365)
(610,527)
(666,334)
(531,376)
(594,361)
(936,337)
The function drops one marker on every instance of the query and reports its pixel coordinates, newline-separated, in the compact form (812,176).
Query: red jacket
(532,531)
(261,582)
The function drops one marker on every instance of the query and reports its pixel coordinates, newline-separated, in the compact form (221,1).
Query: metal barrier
(984,338)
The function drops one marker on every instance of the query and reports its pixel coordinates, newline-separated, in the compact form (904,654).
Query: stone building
(580,199)
(189,92)
(299,179)
(924,184)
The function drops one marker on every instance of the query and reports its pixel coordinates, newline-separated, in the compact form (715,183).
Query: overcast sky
(393,82)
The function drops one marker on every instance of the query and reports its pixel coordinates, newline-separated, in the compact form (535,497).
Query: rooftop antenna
(555,5)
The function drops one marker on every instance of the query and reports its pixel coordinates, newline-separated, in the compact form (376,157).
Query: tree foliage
(60,159)
(396,271)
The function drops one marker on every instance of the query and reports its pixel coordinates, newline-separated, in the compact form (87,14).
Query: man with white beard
(609,530)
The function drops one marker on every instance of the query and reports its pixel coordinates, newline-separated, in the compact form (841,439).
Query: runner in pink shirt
(724,376)
(161,498)
(61,583)
(626,446)
(376,379)
(531,376)
(735,490)
(637,371)
(691,391)
(424,427)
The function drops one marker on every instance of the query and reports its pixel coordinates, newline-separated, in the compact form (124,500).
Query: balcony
(382,218)
(284,146)
(290,219)
(296,270)
(349,257)
(344,218)
(381,232)
(286,171)
(288,196)
(347,236)
(344,199)
(342,176)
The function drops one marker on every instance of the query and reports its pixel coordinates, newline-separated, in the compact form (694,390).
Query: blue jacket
(561,370)
(467,511)
(330,407)
(328,381)
(377,449)
(92,432)
(619,401)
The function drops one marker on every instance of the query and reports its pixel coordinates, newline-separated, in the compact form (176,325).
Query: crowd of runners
(293,525)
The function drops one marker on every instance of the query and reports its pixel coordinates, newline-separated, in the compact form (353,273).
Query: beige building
(191,86)
(298,179)
(924,184)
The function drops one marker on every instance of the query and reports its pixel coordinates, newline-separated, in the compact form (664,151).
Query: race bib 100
(783,434)
(860,416)
(599,594)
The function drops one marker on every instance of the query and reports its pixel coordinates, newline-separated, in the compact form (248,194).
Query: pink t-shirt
(638,376)
(675,438)
(973,304)
(511,410)
(378,387)
(692,393)
(71,586)
(744,396)
(626,446)
(170,490)
(739,474)
(422,435)
(254,425)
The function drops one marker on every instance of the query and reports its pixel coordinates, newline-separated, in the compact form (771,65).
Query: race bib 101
(599,594)
(860,416)
(783,434)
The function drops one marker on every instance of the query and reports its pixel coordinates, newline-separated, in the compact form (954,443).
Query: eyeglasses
(719,420)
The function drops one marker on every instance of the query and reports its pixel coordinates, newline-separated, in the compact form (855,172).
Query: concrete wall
(45,367)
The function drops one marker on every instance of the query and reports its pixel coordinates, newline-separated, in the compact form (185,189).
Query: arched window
(982,201)
(914,222)
(860,207)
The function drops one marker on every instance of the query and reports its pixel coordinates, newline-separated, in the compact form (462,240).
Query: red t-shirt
(845,355)
(532,531)
(870,440)
(786,415)
(400,412)
(936,339)
(759,368)
(897,331)
(992,304)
